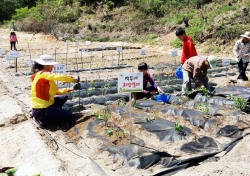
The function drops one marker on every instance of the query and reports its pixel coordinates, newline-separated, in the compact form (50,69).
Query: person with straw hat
(47,98)
(241,51)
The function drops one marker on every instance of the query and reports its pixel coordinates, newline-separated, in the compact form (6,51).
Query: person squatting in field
(195,68)
(148,91)
(47,99)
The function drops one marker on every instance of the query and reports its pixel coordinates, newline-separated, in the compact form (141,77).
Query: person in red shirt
(188,48)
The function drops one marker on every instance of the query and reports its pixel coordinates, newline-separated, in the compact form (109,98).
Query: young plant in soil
(150,117)
(134,105)
(204,108)
(110,132)
(92,84)
(178,127)
(240,103)
(105,115)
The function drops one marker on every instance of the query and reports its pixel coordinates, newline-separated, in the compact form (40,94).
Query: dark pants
(141,95)
(242,70)
(12,45)
(54,114)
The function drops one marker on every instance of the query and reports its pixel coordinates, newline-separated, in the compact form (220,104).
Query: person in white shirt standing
(241,51)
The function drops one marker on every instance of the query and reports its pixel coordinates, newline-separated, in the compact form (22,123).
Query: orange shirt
(188,49)
(44,88)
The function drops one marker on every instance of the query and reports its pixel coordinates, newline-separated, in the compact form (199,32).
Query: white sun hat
(45,60)
(246,35)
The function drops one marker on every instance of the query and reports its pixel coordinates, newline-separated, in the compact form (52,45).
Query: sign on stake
(174,54)
(15,54)
(60,68)
(226,62)
(128,83)
(143,53)
(1,52)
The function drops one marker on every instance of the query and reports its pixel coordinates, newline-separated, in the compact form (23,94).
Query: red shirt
(188,49)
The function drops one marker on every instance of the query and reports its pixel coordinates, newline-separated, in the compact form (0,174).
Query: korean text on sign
(130,82)
(60,68)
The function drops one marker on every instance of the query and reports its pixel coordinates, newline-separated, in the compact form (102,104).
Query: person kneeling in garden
(47,99)
(195,69)
(148,92)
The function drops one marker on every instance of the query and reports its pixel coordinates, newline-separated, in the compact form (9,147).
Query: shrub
(176,43)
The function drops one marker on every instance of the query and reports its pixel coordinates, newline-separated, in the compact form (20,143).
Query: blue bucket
(179,73)
(163,98)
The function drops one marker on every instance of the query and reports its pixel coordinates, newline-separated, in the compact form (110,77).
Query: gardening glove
(76,86)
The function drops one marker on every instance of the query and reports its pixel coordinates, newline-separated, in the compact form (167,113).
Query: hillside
(212,23)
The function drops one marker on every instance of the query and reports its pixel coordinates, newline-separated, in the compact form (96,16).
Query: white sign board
(102,46)
(7,57)
(130,82)
(143,52)
(31,63)
(67,41)
(119,49)
(1,52)
(174,53)
(14,54)
(226,62)
(59,68)
(88,42)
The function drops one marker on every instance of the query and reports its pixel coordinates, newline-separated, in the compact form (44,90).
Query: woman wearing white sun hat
(47,99)
(241,51)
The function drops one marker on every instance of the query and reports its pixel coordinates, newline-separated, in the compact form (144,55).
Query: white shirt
(240,49)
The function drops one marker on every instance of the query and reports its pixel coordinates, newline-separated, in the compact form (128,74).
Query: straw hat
(246,35)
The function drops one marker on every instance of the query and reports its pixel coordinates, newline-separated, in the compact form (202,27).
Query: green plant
(110,132)
(92,84)
(104,115)
(240,103)
(150,117)
(176,43)
(134,105)
(178,127)
(204,108)
(151,38)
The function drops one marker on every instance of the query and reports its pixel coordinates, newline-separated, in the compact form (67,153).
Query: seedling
(121,102)
(240,103)
(178,127)
(150,118)
(103,116)
(92,84)
(134,105)
(204,108)
(110,132)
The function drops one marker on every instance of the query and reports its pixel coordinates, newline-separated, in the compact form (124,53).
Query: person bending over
(147,78)
(47,99)
(195,68)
